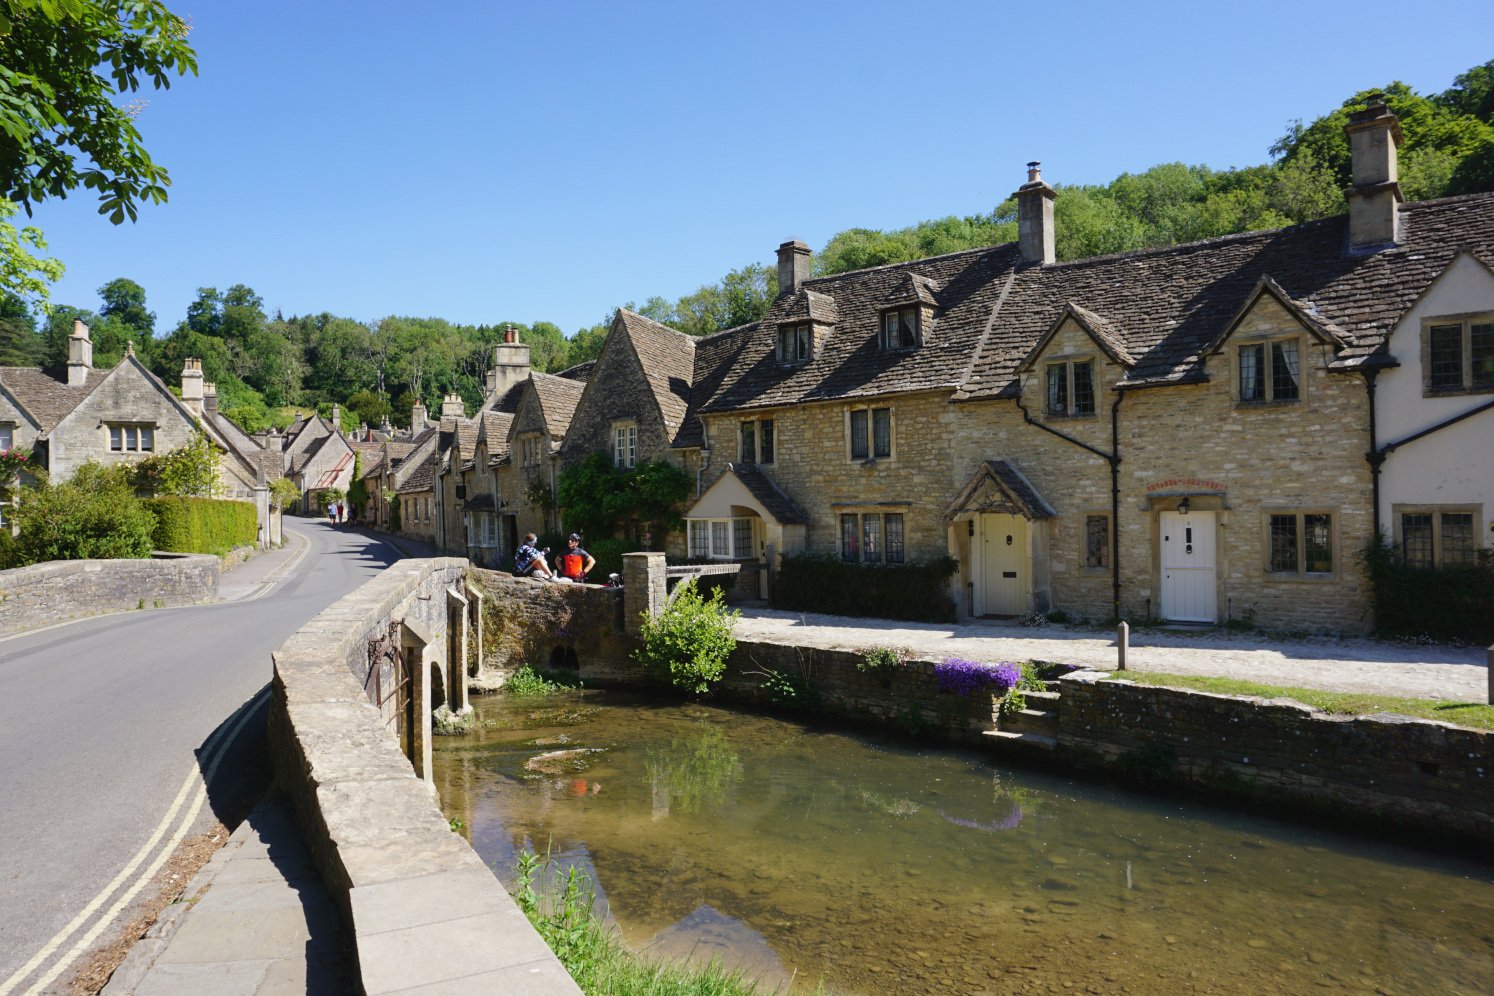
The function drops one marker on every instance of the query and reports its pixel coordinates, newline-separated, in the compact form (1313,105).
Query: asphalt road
(108,727)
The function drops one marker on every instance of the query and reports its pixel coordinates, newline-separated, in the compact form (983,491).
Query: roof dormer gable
(1270,310)
(805,321)
(905,316)
(1105,334)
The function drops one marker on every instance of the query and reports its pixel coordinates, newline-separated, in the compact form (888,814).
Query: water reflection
(884,869)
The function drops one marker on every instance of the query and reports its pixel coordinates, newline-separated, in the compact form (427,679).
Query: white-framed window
(489,530)
(1270,371)
(724,539)
(795,343)
(870,433)
(1097,541)
(871,537)
(900,328)
(1300,543)
(471,531)
(1430,536)
(1070,388)
(625,445)
(131,437)
(755,438)
(1458,354)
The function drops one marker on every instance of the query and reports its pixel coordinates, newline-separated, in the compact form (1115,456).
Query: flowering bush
(12,462)
(963,677)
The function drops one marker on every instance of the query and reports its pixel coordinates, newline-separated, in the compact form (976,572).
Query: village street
(108,725)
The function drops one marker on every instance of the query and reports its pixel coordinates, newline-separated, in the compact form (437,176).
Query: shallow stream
(813,855)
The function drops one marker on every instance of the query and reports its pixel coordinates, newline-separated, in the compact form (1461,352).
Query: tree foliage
(688,643)
(93,515)
(598,498)
(189,471)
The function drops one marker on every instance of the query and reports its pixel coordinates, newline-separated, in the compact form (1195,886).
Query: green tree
(20,345)
(688,643)
(93,515)
(23,270)
(65,117)
(1472,93)
(124,301)
(369,407)
(190,470)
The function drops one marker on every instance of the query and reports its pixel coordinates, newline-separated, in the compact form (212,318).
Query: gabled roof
(772,497)
(558,397)
(329,478)
(809,306)
(668,360)
(998,485)
(492,432)
(1266,287)
(1105,334)
(45,397)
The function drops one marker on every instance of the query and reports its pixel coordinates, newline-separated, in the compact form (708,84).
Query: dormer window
(900,329)
(795,344)
(1270,371)
(1071,388)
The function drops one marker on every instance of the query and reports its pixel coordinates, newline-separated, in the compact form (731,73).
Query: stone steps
(1035,725)
(1037,740)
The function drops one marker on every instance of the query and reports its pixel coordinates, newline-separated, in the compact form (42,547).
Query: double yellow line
(136,873)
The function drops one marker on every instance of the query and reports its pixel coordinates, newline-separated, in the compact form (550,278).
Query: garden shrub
(95,515)
(687,644)
(202,525)
(965,676)
(917,591)
(1450,604)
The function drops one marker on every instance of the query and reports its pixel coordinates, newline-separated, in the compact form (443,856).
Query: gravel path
(1451,673)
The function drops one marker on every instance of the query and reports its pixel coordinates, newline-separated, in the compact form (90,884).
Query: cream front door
(1005,568)
(1189,581)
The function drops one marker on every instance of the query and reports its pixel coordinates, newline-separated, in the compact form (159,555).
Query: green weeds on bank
(596,959)
(1474,714)
(527,682)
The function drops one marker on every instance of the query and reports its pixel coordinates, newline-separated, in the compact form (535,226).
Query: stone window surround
(760,453)
(625,444)
(1466,320)
(1268,339)
(1069,360)
(860,512)
(1098,569)
(143,434)
(1436,511)
(883,337)
(795,336)
(1301,576)
(871,457)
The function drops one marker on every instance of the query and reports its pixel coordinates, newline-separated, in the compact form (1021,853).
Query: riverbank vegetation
(1474,714)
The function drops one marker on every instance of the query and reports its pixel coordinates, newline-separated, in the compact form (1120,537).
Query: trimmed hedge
(1450,604)
(202,525)
(918,592)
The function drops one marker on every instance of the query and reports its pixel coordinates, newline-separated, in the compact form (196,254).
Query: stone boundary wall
(423,908)
(1412,773)
(59,590)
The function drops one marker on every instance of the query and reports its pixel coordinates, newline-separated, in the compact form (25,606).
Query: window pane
(1284,543)
(906,322)
(749,443)
(765,441)
(1317,540)
(1416,540)
(1284,371)
(894,527)
(7,437)
(1058,388)
(131,438)
(1447,357)
(720,545)
(871,538)
(699,539)
(786,345)
(1457,539)
(889,330)
(116,438)
(1084,388)
(147,439)
(802,333)
(850,548)
(859,449)
(1481,338)
(1252,373)
(882,432)
(1096,541)
(741,539)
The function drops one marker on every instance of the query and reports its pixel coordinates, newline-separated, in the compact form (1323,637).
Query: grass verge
(1474,714)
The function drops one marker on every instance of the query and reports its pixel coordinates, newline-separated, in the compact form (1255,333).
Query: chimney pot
(1034,173)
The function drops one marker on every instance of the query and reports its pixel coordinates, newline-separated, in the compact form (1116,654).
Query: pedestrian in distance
(575,563)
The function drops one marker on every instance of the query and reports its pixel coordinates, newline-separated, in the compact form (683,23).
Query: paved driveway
(1457,674)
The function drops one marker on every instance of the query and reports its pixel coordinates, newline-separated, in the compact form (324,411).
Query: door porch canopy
(999,487)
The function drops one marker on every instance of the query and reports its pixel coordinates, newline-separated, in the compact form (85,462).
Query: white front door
(1189,584)
(1004,565)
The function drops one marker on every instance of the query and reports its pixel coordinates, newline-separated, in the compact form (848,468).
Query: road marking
(195,787)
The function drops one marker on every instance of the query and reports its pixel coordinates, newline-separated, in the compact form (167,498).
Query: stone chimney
(336,417)
(210,397)
(510,364)
(79,355)
(1035,217)
(1375,198)
(793,266)
(452,406)
(192,385)
(418,418)
(385,427)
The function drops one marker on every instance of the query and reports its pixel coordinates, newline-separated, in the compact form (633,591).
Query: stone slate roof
(1011,482)
(422,478)
(772,497)
(1170,306)
(668,359)
(44,394)
(850,363)
(480,503)
(581,371)
(494,432)
(558,397)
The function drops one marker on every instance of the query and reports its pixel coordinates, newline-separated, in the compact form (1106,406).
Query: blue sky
(487,162)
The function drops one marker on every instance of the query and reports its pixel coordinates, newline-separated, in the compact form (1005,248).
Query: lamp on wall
(1183,507)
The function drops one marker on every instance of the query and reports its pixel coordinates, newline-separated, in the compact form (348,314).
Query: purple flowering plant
(963,676)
